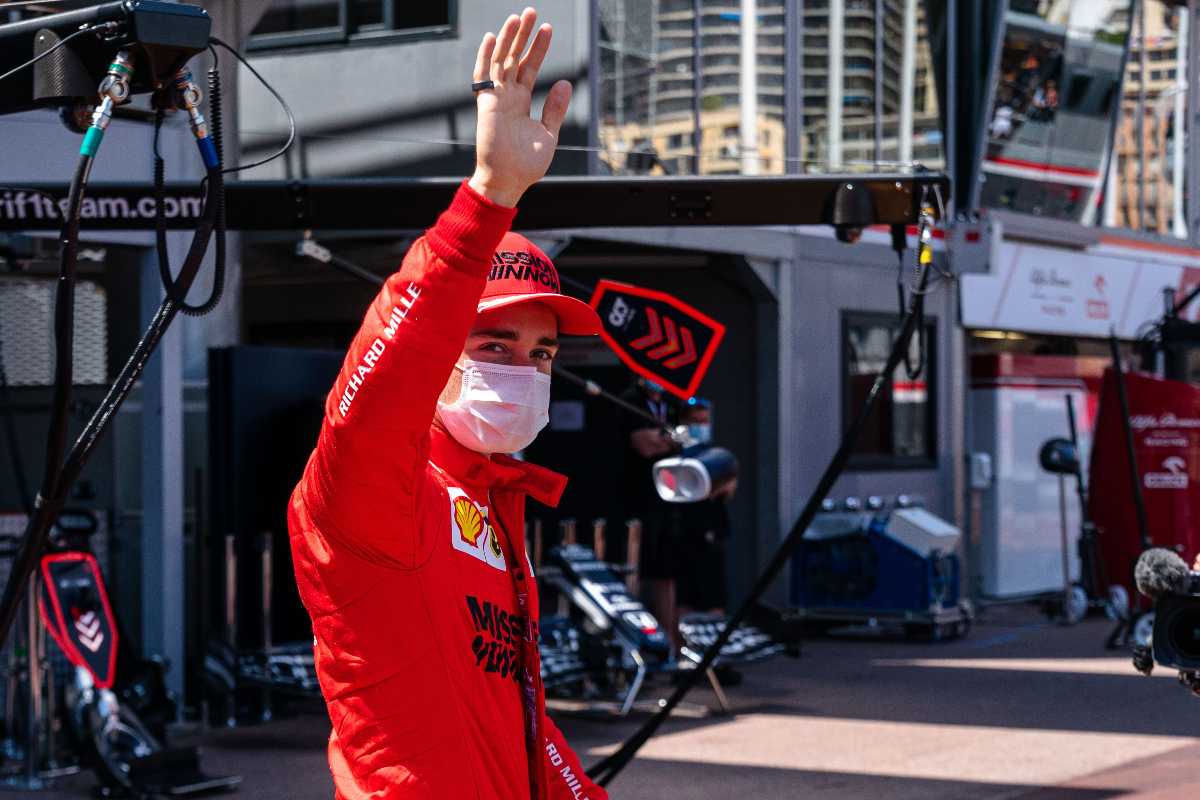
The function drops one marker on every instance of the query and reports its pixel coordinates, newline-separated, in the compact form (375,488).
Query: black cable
(21,3)
(608,768)
(57,45)
(50,502)
(48,508)
(64,330)
(160,218)
(282,103)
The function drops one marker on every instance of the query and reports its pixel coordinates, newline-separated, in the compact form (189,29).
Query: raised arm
(374,441)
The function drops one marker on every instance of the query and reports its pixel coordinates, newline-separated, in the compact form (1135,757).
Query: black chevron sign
(74,607)
(658,336)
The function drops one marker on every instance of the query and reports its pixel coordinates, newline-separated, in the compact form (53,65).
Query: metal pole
(1066,546)
(267,644)
(1135,479)
(952,103)
(1179,221)
(908,79)
(878,76)
(231,577)
(1192,65)
(33,673)
(1140,112)
(697,83)
(599,545)
(748,125)
(595,83)
(833,105)
(793,68)
(633,555)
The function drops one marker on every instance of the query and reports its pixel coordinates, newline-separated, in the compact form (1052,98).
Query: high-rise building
(649,98)
(1145,184)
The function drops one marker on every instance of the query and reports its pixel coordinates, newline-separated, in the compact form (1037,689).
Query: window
(901,431)
(298,22)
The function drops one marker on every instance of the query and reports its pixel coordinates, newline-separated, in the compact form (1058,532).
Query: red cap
(522,273)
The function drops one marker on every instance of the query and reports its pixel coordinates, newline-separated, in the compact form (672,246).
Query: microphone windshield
(1160,571)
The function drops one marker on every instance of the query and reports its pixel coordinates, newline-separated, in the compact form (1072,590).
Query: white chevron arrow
(87,627)
(92,644)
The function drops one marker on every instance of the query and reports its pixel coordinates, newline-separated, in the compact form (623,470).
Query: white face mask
(500,408)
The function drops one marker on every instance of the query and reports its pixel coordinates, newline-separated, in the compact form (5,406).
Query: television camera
(1165,578)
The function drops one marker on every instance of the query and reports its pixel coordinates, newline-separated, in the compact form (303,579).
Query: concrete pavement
(1019,709)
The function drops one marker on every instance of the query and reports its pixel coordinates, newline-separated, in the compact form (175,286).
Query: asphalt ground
(1021,708)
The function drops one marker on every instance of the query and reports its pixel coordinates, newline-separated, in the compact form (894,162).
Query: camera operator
(644,445)
(704,529)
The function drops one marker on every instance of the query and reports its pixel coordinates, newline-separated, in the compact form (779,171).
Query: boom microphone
(1160,572)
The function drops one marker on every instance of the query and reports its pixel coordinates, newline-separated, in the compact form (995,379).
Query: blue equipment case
(896,566)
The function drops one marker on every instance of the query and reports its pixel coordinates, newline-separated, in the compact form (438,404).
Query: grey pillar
(697,85)
(748,126)
(1193,119)
(793,80)
(833,108)
(908,74)
(162,489)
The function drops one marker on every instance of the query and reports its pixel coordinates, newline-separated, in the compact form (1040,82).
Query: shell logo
(469,519)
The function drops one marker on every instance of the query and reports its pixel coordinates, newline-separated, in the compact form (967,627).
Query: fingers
(555,109)
(513,57)
(531,64)
(483,59)
(508,32)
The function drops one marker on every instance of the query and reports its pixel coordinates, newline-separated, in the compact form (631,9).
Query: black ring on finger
(479,86)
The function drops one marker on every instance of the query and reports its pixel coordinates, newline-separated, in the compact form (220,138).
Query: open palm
(512,149)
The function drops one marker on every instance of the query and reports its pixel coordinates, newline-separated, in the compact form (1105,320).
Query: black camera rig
(74,49)
(1175,642)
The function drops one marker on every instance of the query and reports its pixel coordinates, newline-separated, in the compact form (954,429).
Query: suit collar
(498,472)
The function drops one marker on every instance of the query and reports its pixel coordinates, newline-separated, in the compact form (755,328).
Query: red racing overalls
(410,556)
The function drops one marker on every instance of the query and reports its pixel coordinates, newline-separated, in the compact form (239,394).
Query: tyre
(1117,605)
(1141,632)
(1075,605)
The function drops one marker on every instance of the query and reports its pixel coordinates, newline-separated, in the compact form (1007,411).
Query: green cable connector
(91,142)
(116,66)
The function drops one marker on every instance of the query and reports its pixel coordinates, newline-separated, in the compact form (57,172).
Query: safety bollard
(231,576)
(267,543)
(633,549)
(598,543)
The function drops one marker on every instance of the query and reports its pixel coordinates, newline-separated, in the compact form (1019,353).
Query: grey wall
(361,108)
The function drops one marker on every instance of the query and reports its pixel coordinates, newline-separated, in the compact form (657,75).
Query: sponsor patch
(471,532)
(497,637)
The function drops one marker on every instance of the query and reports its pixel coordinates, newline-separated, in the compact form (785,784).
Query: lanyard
(532,698)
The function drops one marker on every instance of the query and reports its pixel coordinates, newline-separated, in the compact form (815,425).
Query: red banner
(1165,417)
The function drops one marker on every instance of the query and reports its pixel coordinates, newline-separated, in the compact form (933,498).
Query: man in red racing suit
(407,528)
